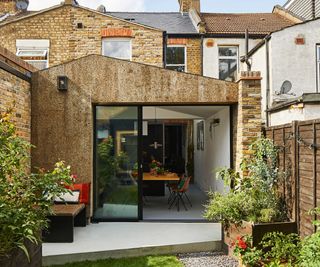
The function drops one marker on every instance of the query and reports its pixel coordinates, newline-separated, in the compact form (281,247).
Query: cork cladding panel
(68,41)
(62,122)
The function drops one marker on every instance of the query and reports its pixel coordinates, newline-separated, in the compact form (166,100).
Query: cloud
(111,5)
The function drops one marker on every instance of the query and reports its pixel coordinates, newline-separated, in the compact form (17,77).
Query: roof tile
(256,23)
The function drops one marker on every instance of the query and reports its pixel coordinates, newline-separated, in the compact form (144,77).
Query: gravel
(207,259)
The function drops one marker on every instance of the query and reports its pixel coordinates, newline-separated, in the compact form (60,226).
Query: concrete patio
(117,240)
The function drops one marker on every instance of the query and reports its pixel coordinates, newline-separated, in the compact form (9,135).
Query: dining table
(154,184)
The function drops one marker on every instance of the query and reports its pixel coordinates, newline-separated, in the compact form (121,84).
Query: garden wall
(299,157)
(15,91)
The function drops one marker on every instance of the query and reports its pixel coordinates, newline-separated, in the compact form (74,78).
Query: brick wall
(68,41)
(194,61)
(15,93)
(249,114)
(8,6)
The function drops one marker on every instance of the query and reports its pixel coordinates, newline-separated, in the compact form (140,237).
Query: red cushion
(84,192)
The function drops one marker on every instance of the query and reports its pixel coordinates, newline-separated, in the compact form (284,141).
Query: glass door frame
(139,155)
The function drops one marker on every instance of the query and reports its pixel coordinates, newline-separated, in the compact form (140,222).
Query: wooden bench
(62,222)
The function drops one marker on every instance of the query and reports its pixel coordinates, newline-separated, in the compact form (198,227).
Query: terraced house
(102,98)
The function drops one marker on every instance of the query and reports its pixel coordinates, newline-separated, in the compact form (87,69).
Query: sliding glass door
(116,190)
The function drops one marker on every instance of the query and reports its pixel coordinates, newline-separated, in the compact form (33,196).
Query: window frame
(185,58)
(111,39)
(229,57)
(29,45)
(318,66)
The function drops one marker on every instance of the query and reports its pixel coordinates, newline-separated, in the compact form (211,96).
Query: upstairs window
(35,52)
(117,48)
(228,63)
(176,58)
(318,66)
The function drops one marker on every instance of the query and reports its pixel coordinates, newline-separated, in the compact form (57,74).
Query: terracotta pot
(17,257)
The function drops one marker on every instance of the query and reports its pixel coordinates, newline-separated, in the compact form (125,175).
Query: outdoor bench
(62,222)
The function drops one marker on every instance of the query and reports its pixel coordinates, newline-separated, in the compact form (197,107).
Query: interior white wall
(216,152)
(150,113)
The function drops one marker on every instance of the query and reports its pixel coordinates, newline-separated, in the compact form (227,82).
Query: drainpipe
(267,79)
(165,43)
(247,51)
(313,8)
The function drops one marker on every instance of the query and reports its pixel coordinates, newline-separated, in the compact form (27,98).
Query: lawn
(148,261)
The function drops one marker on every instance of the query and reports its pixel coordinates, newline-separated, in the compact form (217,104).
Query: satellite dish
(22,5)
(285,88)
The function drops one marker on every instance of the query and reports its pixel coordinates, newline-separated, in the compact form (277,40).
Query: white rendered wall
(216,152)
(259,63)
(309,112)
(296,63)
(211,56)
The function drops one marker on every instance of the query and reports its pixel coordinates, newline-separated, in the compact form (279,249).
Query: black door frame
(139,150)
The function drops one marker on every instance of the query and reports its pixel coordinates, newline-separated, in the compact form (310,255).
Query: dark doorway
(175,148)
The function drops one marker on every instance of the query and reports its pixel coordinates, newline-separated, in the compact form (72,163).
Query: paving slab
(116,240)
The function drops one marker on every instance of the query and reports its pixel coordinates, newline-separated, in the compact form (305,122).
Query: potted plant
(156,168)
(253,206)
(25,198)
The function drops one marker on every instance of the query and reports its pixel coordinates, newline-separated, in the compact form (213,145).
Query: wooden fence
(299,158)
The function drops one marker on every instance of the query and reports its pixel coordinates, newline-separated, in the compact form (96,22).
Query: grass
(148,261)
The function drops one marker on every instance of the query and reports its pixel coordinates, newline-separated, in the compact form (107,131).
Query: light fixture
(213,123)
(62,83)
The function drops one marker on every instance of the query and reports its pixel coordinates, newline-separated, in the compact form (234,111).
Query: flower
(242,244)
(74,177)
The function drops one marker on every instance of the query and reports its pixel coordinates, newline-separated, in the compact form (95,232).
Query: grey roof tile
(172,23)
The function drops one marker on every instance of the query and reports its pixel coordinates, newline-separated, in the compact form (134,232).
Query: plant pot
(17,257)
(256,230)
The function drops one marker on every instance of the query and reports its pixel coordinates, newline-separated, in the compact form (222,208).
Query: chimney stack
(188,5)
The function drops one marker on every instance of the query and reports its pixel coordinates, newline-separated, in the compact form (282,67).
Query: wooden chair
(179,193)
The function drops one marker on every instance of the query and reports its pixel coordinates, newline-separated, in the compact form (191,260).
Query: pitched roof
(172,23)
(256,23)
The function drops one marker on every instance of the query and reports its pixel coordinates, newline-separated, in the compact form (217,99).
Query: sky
(168,5)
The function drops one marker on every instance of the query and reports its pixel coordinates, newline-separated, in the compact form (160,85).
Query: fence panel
(299,159)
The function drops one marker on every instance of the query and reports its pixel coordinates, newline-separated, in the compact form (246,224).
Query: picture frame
(200,135)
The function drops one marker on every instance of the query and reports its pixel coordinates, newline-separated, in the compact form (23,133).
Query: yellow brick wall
(67,42)
(194,56)
(15,93)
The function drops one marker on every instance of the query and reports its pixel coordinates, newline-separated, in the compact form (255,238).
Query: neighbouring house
(289,60)
(306,9)
(68,31)
(225,39)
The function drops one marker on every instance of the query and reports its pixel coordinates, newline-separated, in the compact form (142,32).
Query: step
(118,240)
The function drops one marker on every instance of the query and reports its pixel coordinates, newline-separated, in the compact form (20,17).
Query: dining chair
(179,193)
(174,185)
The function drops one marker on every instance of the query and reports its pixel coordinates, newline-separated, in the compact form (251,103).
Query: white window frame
(318,66)
(41,45)
(185,58)
(229,57)
(118,40)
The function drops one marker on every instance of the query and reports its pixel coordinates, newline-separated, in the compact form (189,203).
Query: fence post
(314,170)
(295,172)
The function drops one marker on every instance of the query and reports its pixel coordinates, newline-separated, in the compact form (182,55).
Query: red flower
(242,244)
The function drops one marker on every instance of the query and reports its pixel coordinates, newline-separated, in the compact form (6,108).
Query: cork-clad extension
(62,122)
